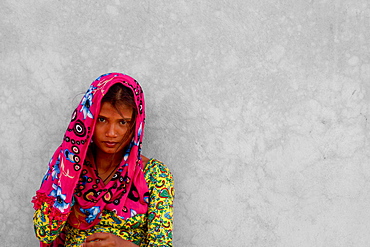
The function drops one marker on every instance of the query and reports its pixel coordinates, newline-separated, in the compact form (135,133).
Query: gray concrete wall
(259,108)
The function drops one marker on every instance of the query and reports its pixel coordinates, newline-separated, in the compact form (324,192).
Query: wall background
(259,108)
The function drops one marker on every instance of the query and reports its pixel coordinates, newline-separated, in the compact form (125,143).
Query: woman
(99,190)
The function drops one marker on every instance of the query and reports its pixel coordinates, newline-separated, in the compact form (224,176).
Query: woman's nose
(111,132)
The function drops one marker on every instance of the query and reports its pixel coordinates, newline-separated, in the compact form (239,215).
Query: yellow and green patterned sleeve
(47,229)
(160,210)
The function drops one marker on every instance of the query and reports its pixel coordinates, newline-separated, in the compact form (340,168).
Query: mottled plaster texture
(259,108)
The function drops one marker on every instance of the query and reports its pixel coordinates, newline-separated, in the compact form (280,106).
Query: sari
(71,190)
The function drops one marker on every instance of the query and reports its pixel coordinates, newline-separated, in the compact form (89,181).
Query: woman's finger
(97,236)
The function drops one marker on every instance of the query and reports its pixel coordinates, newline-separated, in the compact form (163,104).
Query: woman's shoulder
(156,170)
(156,165)
(159,179)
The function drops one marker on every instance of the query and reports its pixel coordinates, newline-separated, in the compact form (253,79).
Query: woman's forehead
(119,111)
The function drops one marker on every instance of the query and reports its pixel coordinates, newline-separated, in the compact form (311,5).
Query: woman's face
(111,130)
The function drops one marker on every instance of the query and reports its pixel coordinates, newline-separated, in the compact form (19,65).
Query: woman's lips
(111,144)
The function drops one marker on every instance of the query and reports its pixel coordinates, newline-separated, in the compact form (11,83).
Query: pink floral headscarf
(72,178)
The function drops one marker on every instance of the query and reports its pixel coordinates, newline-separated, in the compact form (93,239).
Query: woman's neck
(106,161)
(106,164)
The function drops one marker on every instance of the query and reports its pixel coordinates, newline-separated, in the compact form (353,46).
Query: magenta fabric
(72,178)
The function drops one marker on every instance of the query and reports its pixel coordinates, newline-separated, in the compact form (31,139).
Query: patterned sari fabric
(151,229)
(72,191)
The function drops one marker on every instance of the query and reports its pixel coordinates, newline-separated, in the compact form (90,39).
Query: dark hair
(119,95)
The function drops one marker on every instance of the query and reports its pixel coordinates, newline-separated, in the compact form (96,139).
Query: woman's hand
(104,239)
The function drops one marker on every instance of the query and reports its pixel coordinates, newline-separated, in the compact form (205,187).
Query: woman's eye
(101,119)
(123,122)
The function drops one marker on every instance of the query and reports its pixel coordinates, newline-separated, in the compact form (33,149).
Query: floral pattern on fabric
(151,229)
(42,225)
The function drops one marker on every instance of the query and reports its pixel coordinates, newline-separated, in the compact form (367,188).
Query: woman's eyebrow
(127,119)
